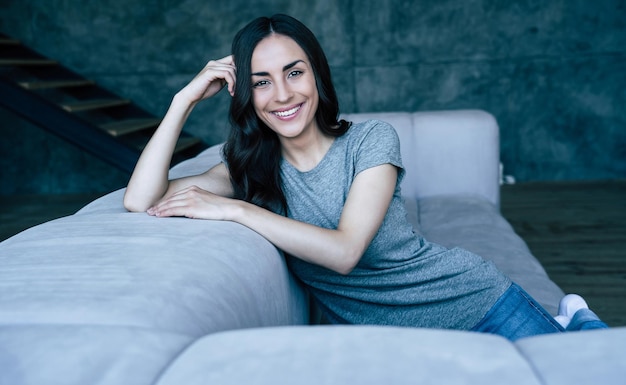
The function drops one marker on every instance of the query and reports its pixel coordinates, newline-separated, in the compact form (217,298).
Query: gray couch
(110,297)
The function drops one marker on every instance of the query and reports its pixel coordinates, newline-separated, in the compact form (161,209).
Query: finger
(230,80)
(230,60)
(224,74)
(165,203)
(175,208)
(181,208)
(229,83)
(224,63)
(171,212)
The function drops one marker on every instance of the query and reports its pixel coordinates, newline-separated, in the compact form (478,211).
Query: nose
(282,91)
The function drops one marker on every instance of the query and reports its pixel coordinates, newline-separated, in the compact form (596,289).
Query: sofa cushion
(587,357)
(349,355)
(473,223)
(78,355)
(457,152)
(446,152)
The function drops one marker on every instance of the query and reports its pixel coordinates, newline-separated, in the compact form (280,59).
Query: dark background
(553,73)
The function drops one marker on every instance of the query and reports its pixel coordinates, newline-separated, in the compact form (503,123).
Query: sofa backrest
(446,152)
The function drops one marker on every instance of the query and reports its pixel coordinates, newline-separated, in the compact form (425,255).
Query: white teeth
(283,114)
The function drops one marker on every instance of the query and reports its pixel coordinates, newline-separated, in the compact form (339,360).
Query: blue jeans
(517,315)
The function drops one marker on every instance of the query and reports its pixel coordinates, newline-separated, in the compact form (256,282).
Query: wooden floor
(577,231)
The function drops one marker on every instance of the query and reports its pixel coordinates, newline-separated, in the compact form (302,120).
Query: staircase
(76,109)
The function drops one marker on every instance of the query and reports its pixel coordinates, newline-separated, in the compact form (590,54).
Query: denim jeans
(517,315)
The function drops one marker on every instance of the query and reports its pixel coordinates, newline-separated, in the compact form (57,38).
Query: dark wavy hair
(252,150)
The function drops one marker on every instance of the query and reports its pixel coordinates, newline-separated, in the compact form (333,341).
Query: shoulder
(372,126)
(373,132)
(372,143)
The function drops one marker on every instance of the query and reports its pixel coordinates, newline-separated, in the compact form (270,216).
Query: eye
(294,73)
(260,84)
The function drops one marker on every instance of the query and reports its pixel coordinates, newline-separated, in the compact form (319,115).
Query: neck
(305,153)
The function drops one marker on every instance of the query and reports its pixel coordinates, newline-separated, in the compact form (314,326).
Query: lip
(296,108)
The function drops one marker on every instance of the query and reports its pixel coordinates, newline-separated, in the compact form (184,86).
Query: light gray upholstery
(349,355)
(40,354)
(590,357)
(110,297)
(476,225)
(367,355)
(446,152)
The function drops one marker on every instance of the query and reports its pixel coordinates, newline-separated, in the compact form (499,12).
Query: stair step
(27,62)
(118,141)
(8,41)
(182,144)
(93,104)
(38,85)
(185,142)
(129,126)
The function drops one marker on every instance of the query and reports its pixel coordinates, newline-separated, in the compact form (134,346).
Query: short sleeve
(378,144)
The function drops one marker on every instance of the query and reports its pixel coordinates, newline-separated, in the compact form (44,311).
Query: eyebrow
(285,68)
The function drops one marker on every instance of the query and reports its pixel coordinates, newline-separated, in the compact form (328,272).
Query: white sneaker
(570,304)
(563,320)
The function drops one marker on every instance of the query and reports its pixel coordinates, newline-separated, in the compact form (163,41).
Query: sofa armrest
(455,152)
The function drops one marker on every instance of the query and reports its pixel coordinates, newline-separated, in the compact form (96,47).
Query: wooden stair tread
(93,104)
(117,141)
(38,85)
(27,62)
(128,126)
(8,41)
(185,143)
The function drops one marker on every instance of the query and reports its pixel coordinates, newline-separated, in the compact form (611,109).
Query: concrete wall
(552,72)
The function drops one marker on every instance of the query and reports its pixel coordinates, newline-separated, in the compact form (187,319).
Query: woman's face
(284,93)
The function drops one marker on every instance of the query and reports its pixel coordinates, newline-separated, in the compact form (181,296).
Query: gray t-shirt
(402,279)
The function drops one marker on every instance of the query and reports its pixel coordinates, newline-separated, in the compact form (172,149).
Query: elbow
(344,270)
(348,261)
(133,205)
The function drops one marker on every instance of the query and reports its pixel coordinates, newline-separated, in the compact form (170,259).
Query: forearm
(337,249)
(149,181)
(334,249)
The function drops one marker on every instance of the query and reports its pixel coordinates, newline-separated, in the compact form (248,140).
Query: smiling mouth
(287,113)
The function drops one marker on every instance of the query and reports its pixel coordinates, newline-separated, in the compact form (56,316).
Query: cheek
(258,102)
(315,97)
(313,90)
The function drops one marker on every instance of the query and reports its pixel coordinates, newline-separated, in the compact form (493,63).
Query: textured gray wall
(553,73)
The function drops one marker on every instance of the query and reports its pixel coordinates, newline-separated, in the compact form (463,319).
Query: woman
(327,194)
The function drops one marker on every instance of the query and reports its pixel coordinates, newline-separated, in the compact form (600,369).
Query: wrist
(237,212)
(234,210)
(180,100)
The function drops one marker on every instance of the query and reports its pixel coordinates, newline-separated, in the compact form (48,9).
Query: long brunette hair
(252,151)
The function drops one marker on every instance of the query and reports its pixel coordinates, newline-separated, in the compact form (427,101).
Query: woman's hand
(213,77)
(193,202)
